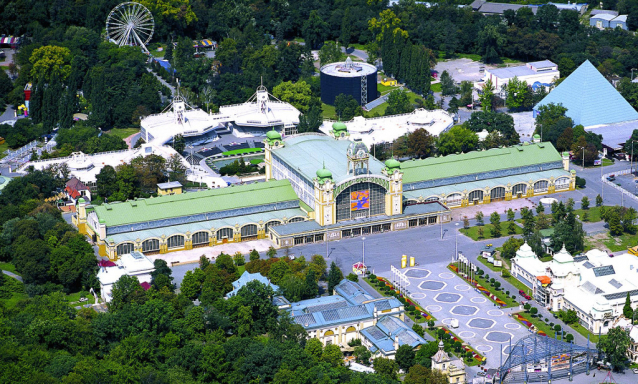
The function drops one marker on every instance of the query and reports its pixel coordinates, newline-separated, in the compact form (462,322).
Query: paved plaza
(446,296)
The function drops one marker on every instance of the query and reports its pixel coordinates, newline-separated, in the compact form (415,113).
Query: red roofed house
(76,189)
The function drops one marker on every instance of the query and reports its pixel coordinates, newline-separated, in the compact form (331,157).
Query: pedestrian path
(19,278)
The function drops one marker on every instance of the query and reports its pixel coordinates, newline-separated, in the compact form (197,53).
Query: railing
(617,187)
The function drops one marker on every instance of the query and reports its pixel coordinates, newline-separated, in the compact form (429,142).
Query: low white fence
(620,189)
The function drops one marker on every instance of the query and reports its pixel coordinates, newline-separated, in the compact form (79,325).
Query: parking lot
(461,69)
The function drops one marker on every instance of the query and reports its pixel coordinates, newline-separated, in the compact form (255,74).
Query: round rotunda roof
(358,150)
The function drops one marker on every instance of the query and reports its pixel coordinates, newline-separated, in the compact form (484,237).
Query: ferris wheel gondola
(131,24)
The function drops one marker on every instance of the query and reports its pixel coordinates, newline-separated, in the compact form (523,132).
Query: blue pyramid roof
(590,99)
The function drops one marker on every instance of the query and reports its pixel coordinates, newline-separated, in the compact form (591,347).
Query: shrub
(551,325)
(569,337)
(507,293)
(580,182)
(557,328)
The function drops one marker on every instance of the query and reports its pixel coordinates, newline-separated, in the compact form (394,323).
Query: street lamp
(456,242)
(583,148)
(363,245)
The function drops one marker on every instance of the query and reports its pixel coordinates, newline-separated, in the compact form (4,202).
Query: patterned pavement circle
(512,326)
(495,312)
(447,297)
(447,321)
(432,285)
(467,334)
(433,308)
(417,273)
(418,295)
(481,323)
(462,288)
(484,348)
(464,310)
(478,300)
(498,337)
(446,275)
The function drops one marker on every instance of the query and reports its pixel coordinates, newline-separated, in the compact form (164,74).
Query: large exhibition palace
(325,185)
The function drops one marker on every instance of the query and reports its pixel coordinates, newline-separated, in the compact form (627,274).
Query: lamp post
(583,148)
(456,241)
(363,245)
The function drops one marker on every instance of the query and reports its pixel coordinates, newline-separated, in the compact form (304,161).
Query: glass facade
(562,183)
(125,248)
(497,194)
(541,186)
(225,233)
(151,245)
(303,188)
(200,238)
(374,206)
(176,241)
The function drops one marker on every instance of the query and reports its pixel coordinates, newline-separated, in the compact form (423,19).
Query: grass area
(328,111)
(621,243)
(256,161)
(240,151)
(417,319)
(472,232)
(435,87)
(122,133)
(500,294)
(511,279)
(8,267)
(593,214)
(360,47)
(75,297)
(380,110)
(3,147)
(241,269)
(471,56)
(539,324)
(299,39)
(383,89)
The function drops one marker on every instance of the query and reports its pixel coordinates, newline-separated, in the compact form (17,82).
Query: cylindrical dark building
(356,79)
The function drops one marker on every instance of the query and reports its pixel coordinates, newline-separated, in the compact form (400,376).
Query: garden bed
(473,234)
(423,317)
(498,297)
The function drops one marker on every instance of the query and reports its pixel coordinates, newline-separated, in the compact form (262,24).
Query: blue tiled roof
(246,278)
(590,99)
(383,335)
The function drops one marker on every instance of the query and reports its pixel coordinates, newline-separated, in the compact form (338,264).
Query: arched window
(432,198)
(519,189)
(476,196)
(225,233)
(562,183)
(541,186)
(249,230)
(453,199)
(125,248)
(271,224)
(151,245)
(200,238)
(176,241)
(497,194)
(296,219)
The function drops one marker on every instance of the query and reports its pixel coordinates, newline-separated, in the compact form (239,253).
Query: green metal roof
(164,207)
(307,153)
(207,225)
(477,162)
(481,184)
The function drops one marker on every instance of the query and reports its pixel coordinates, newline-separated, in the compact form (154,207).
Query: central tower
(358,158)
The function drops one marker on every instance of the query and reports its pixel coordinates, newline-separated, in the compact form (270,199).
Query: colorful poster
(359,200)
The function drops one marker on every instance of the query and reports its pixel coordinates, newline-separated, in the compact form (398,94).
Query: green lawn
(471,56)
(256,161)
(328,111)
(538,324)
(622,242)
(3,147)
(383,89)
(435,87)
(472,232)
(593,214)
(511,279)
(243,150)
(122,133)
(8,267)
(75,297)
(241,269)
(509,301)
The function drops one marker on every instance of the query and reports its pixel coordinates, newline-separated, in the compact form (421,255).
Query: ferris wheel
(131,24)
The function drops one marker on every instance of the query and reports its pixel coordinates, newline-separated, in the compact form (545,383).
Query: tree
(314,348)
(480,233)
(508,251)
(490,41)
(418,329)
(584,203)
(298,94)
(50,62)
(405,357)
(386,367)
(126,290)
(332,355)
(398,103)
(311,288)
(315,30)
(486,97)
(511,228)
(346,28)
(599,201)
(627,311)
(362,355)
(254,255)
(352,277)
(334,277)
(495,220)
(330,52)
(271,252)
(527,307)
(192,283)
(518,93)
(615,347)
(479,218)
(161,268)
(510,215)
(448,88)
(168,51)
(239,259)
(179,144)
(533,311)
(418,143)
(466,222)
(346,107)
(457,139)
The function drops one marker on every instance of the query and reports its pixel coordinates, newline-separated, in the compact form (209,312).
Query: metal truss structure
(538,358)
